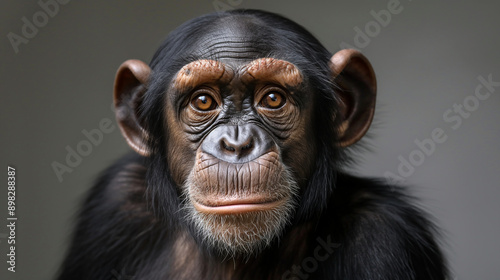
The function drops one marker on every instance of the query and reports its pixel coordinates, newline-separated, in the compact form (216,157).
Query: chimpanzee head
(243,117)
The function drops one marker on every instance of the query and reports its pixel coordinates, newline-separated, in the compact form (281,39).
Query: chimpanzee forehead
(235,41)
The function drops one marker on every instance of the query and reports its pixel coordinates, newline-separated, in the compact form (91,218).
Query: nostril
(248,146)
(227,147)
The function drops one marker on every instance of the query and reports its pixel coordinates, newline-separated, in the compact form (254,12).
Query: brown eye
(204,102)
(273,100)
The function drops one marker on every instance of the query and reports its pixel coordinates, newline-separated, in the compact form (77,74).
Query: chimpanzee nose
(237,143)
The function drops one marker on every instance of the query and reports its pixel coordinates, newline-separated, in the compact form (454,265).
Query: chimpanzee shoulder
(382,231)
(114,220)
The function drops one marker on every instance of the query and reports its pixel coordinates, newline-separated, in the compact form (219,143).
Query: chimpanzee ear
(130,85)
(357,88)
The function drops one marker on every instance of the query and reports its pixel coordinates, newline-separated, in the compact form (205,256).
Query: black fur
(130,222)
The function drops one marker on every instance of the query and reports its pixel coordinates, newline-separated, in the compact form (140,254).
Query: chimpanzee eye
(204,102)
(273,100)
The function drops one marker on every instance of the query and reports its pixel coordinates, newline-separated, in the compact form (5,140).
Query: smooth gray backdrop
(427,57)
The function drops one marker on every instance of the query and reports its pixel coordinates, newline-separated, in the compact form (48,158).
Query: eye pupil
(273,100)
(203,103)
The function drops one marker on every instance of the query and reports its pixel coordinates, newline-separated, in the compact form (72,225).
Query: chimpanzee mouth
(222,188)
(239,209)
(238,206)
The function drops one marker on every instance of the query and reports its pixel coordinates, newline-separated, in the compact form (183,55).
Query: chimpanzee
(240,126)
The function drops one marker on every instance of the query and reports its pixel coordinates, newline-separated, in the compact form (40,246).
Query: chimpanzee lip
(238,206)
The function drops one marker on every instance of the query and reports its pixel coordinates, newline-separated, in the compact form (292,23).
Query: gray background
(427,58)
